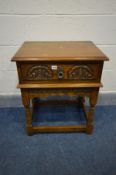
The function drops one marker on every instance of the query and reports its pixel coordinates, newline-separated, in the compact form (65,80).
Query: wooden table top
(59,51)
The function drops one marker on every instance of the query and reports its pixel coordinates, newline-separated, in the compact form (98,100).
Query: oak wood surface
(80,63)
(60,85)
(59,51)
(94,67)
(44,129)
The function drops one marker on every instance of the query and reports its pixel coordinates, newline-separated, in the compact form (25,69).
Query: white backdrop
(22,20)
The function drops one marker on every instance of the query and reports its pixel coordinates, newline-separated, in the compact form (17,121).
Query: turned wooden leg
(89,128)
(26,103)
(93,101)
(28,120)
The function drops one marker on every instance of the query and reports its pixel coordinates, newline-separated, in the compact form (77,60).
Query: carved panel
(39,72)
(81,72)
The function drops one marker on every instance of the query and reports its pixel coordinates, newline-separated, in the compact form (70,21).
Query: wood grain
(79,128)
(34,61)
(60,85)
(59,51)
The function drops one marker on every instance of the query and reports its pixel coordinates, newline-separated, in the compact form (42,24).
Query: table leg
(92,100)
(26,103)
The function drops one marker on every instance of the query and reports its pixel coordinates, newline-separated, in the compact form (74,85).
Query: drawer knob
(60,74)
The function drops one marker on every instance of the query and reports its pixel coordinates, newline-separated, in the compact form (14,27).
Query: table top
(59,51)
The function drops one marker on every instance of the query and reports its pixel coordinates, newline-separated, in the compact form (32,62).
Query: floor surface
(57,153)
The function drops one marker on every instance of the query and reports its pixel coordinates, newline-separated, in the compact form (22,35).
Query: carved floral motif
(81,73)
(39,72)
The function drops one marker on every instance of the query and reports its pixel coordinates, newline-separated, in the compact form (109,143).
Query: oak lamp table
(72,68)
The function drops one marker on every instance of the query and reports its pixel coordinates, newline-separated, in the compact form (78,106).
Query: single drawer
(79,71)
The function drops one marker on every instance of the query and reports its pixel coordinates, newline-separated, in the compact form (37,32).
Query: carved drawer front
(71,72)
